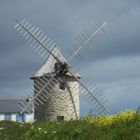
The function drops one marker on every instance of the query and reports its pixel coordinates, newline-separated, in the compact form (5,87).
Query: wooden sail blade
(72,100)
(40,97)
(85,40)
(36,36)
(89,93)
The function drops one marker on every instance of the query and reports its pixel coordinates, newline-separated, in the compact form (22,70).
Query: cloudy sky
(114,64)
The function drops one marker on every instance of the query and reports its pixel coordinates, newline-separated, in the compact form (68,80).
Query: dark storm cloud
(117,51)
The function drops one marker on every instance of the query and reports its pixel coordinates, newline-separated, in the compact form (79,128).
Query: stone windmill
(56,85)
(59,104)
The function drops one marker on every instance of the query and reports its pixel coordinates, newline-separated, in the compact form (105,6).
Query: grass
(124,126)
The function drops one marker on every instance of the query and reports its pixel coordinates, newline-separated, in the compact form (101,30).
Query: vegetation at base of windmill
(6,123)
(125,125)
(122,118)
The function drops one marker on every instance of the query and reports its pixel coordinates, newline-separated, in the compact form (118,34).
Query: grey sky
(114,64)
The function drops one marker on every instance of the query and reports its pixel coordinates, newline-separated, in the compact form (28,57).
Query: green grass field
(124,126)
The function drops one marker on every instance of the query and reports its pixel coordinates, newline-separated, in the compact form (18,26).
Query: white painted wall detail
(2,117)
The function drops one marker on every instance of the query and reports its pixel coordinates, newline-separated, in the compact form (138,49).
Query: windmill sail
(85,40)
(42,43)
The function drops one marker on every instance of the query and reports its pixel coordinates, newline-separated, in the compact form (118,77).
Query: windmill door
(60,118)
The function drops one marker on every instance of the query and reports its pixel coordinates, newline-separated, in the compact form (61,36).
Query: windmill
(56,84)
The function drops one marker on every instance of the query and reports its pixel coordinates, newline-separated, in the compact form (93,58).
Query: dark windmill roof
(48,66)
(9,105)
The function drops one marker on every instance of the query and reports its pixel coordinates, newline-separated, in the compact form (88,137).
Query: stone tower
(59,105)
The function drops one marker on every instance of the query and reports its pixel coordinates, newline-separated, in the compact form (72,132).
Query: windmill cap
(48,66)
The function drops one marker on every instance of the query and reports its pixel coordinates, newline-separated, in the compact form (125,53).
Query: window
(62,85)
(8,116)
(60,118)
(20,117)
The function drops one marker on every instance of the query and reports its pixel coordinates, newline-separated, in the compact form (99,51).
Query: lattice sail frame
(42,44)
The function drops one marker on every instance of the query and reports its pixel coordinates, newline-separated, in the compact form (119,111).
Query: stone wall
(59,101)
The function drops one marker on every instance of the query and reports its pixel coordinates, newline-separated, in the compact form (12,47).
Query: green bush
(124,126)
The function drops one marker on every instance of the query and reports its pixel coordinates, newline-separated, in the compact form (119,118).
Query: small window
(60,118)
(62,85)
(8,116)
(21,117)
